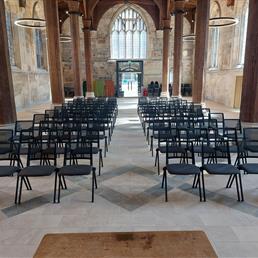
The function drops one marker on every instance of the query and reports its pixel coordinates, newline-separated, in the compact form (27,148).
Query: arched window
(39,49)
(214,47)
(242,36)
(214,34)
(10,35)
(129,36)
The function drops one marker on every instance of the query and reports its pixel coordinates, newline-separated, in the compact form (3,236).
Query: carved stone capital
(74,7)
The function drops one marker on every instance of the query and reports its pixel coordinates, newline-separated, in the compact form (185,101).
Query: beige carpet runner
(177,244)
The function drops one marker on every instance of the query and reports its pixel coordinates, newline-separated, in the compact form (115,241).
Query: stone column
(88,57)
(74,11)
(7,102)
(201,45)
(54,51)
(249,101)
(178,42)
(165,61)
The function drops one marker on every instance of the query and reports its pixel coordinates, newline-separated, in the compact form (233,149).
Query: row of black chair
(53,133)
(182,129)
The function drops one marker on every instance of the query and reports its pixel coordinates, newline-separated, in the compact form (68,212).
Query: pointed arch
(128,38)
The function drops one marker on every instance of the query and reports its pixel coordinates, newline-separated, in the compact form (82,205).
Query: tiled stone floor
(129,198)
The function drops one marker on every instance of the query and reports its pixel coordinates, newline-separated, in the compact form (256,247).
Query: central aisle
(129,198)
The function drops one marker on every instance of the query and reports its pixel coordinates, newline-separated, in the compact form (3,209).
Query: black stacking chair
(218,162)
(39,152)
(250,145)
(91,134)
(7,157)
(184,164)
(74,153)
(165,133)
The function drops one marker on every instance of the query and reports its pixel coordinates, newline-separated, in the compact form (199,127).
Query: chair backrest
(233,124)
(250,140)
(6,144)
(42,152)
(180,151)
(25,125)
(215,151)
(80,150)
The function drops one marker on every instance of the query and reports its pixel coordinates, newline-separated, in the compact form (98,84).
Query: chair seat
(205,149)
(8,170)
(220,169)
(171,149)
(5,150)
(85,150)
(75,170)
(252,148)
(35,171)
(182,169)
(250,168)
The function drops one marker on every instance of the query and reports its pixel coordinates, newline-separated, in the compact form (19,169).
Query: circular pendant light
(189,37)
(31,23)
(218,22)
(65,38)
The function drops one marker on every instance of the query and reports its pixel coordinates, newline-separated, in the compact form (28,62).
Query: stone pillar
(54,51)
(88,57)
(165,61)
(7,102)
(74,11)
(201,46)
(178,42)
(249,101)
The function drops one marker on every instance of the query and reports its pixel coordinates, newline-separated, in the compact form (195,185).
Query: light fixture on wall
(218,22)
(189,37)
(31,23)
(65,38)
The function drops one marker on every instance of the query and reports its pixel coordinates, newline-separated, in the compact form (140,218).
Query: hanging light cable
(31,23)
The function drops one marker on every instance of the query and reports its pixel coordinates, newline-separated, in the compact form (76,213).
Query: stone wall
(105,68)
(221,81)
(31,84)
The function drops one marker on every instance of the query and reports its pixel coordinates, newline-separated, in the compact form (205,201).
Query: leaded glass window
(39,49)
(129,36)
(242,38)
(214,47)
(9,29)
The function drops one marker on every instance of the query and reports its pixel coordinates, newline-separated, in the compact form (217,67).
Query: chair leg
(158,163)
(241,188)
(166,185)
(163,180)
(93,184)
(156,158)
(27,183)
(195,181)
(20,191)
(199,184)
(230,181)
(100,158)
(59,188)
(55,185)
(237,187)
(151,146)
(65,186)
(17,188)
(105,149)
(203,187)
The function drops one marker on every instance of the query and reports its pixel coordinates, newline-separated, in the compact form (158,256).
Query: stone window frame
(40,50)
(214,40)
(10,36)
(133,18)
(242,35)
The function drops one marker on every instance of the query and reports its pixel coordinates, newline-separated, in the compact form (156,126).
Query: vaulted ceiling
(159,10)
